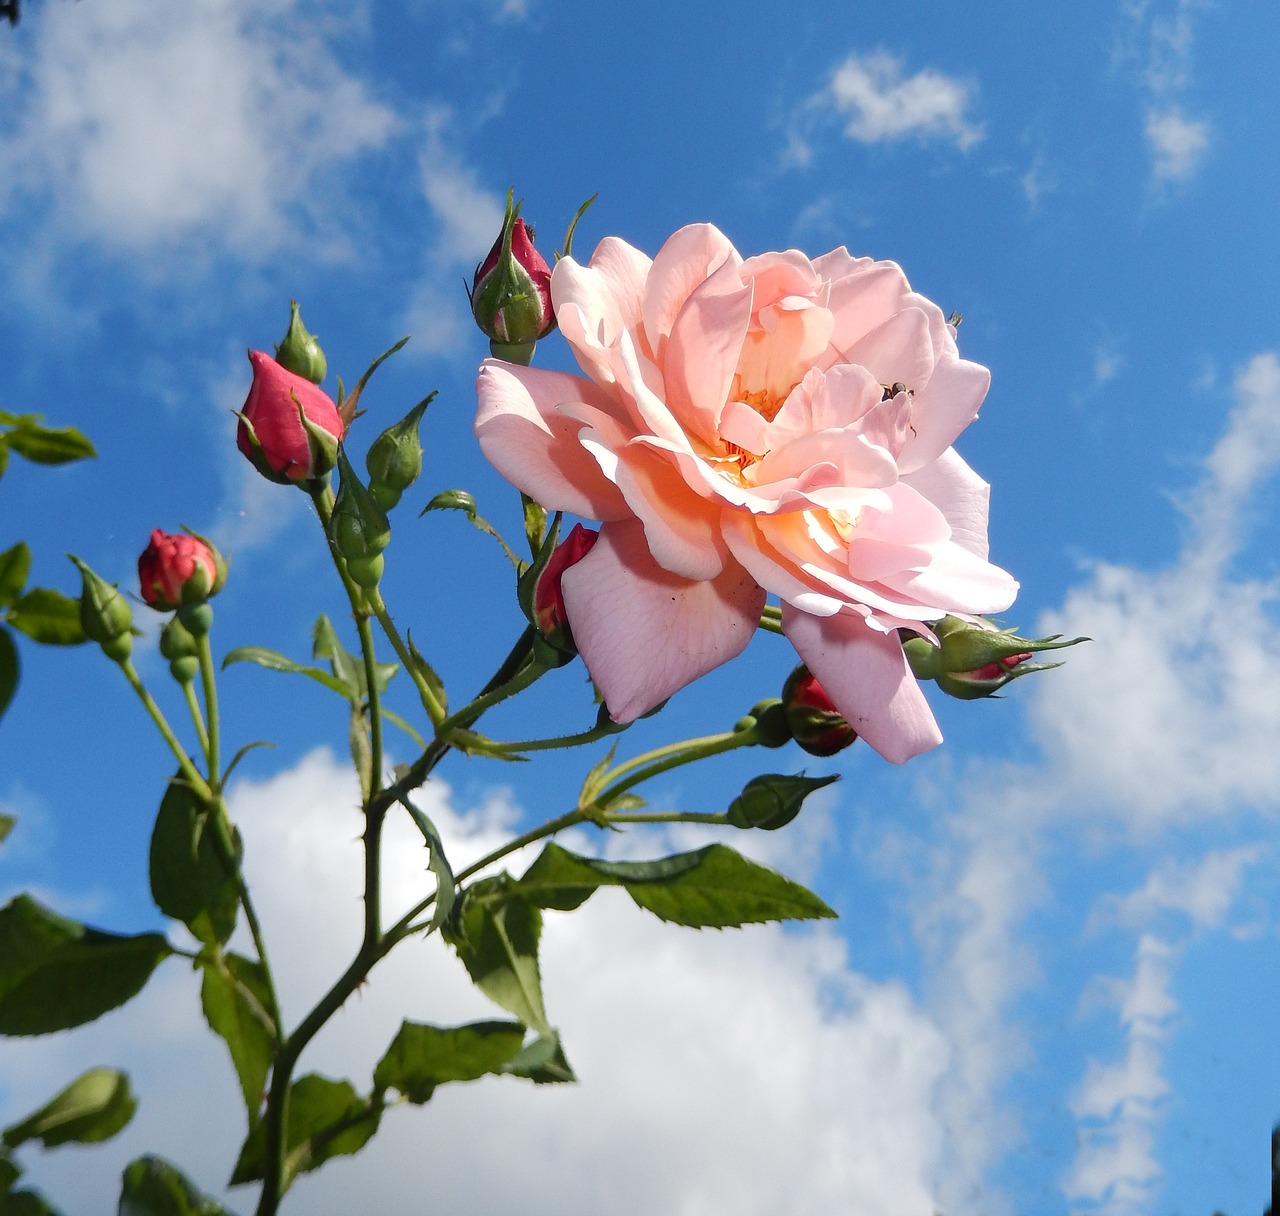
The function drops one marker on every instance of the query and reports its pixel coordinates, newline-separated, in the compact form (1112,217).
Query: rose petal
(645,633)
(865,674)
(960,494)
(687,259)
(535,447)
(942,409)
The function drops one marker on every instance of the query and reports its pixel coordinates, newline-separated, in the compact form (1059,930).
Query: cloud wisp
(876,102)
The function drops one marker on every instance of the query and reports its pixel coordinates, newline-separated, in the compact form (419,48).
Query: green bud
(105,615)
(358,527)
(300,351)
(394,460)
(773,800)
(769,719)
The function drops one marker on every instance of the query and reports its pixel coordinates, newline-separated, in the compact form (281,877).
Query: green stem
(664,759)
(594,735)
(189,771)
(209,686)
(718,817)
(197,716)
(523,678)
(771,618)
(430,702)
(374,811)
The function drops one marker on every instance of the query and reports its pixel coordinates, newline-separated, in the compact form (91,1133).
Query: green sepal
(535,522)
(422,1057)
(94,1107)
(236,1000)
(773,800)
(56,973)
(348,670)
(326,1119)
(152,1186)
(714,887)
(194,857)
(47,616)
(495,933)
(105,614)
(15,566)
(428,673)
(347,404)
(358,527)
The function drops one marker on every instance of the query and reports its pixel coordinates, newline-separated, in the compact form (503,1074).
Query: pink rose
(769,425)
(289,428)
(178,569)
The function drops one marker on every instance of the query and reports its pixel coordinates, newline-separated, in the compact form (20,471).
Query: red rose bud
(300,351)
(289,428)
(974,660)
(548,599)
(815,723)
(178,570)
(511,293)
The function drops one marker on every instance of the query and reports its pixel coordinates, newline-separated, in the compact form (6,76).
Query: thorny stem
(209,685)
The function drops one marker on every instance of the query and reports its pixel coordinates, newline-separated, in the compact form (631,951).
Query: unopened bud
(105,615)
(511,292)
(816,725)
(358,527)
(300,350)
(394,459)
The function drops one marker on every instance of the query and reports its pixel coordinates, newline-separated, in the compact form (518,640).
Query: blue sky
(1050,989)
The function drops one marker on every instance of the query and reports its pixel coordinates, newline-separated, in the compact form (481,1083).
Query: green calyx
(359,527)
(394,459)
(105,615)
(300,351)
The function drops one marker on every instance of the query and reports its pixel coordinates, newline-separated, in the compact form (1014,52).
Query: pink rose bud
(179,569)
(549,614)
(815,723)
(511,294)
(289,428)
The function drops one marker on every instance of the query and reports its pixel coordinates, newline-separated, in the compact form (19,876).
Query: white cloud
(1178,144)
(1169,712)
(1162,39)
(881,104)
(213,131)
(1106,363)
(762,1072)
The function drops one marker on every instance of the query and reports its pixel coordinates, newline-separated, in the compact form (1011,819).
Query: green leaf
(48,445)
(348,668)
(396,720)
(26,1203)
(594,781)
(543,1062)
(56,973)
(421,1057)
(274,661)
(47,616)
(15,565)
(10,1172)
(428,673)
(438,864)
(460,500)
(495,933)
(773,800)
(712,887)
(6,826)
(241,753)
(326,1119)
(153,1187)
(92,1108)
(10,670)
(236,1000)
(193,876)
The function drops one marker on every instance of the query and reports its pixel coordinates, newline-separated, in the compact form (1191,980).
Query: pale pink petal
(839,264)
(855,460)
(776,275)
(597,303)
(960,494)
(865,674)
(682,529)
(781,574)
(861,301)
(702,352)
(957,581)
(645,633)
(942,409)
(535,447)
(825,400)
(687,259)
(899,350)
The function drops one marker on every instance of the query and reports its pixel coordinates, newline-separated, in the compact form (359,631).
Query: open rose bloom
(768,425)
